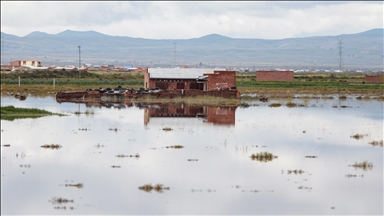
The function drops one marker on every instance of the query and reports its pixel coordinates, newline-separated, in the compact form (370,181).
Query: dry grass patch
(274,105)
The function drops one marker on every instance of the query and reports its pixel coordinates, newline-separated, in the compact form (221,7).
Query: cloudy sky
(193,19)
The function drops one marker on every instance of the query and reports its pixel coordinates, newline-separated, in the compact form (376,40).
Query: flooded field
(280,157)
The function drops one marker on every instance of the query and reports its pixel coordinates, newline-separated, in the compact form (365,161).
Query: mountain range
(362,50)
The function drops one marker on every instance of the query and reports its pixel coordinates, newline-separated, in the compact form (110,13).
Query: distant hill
(360,50)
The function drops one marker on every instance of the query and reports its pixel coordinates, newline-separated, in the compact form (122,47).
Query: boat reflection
(220,115)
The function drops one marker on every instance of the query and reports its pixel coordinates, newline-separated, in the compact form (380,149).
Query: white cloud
(182,20)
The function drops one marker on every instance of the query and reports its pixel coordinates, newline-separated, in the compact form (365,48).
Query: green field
(11,113)
(43,83)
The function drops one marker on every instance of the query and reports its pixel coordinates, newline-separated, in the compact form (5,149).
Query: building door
(180,85)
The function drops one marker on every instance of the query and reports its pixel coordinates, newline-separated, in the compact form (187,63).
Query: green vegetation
(310,84)
(263,157)
(11,113)
(41,83)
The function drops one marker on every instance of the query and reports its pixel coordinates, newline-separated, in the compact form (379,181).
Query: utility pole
(2,48)
(340,55)
(79,62)
(174,54)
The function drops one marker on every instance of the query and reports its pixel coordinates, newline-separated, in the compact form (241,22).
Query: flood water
(108,153)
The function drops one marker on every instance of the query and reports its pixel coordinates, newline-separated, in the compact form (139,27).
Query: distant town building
(19,63)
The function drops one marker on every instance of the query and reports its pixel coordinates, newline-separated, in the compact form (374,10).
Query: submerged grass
(263,156)
(363,165)
(11,113)
(175,146)
(358,136)
(52,146)
(377,143)
(158,188)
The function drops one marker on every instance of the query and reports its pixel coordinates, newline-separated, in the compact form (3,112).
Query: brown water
(109,160)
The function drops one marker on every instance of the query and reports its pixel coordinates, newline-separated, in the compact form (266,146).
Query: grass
(302,85)
(11,113)
(167,129)
(41,83)
(363,165)
(263,157)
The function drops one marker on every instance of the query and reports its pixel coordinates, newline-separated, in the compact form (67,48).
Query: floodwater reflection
(140,158)
(211,114)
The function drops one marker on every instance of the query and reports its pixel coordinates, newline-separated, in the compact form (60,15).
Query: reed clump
(365,165)
(274,105)
(175,146)
(78,185)
(377,143)
(358,136)
(123,156)
(52,146)
(291,104)
(158,188)
(263,156)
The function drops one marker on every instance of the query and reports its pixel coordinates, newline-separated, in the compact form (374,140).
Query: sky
(193,19)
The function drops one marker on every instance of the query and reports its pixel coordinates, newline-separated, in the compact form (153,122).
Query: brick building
(274,76)
(374,78)
(189,78)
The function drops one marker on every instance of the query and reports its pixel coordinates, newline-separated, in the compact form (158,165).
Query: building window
(199,86)
(180,85)
(162,85)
